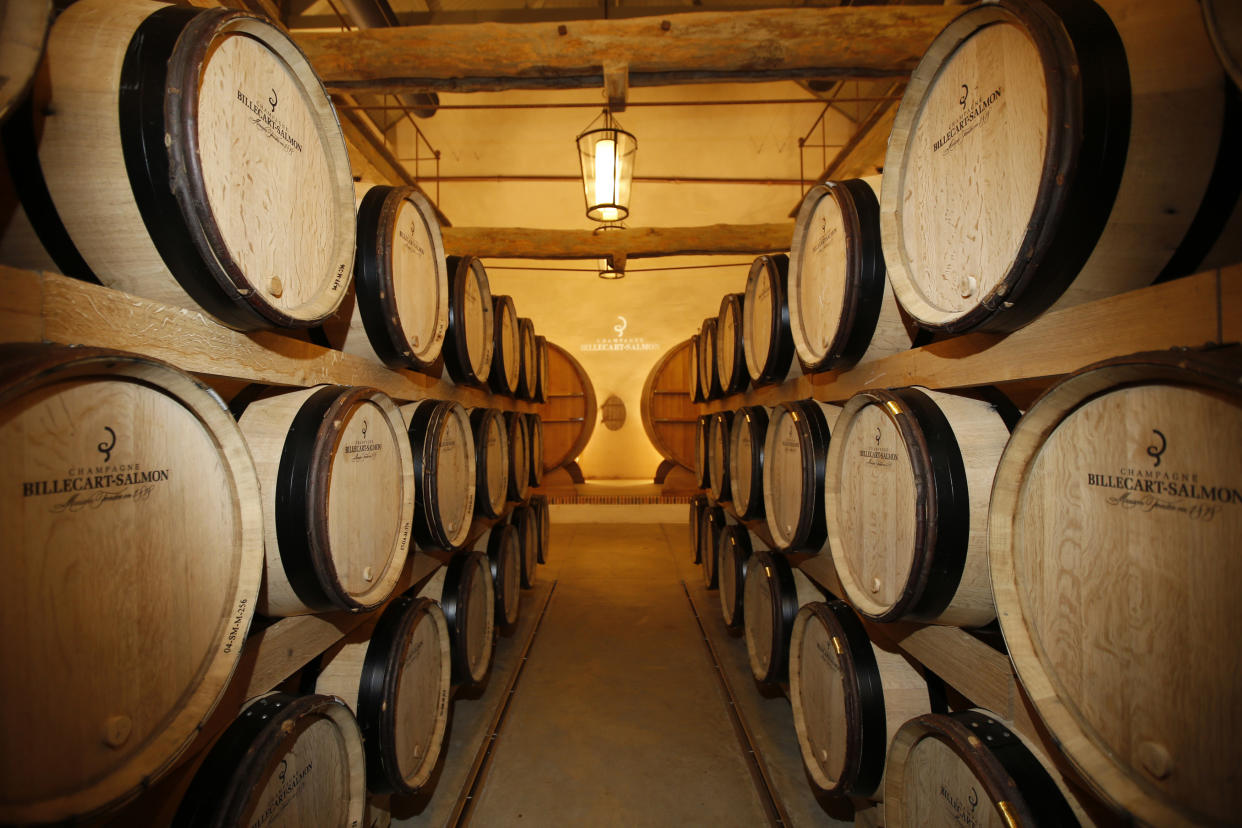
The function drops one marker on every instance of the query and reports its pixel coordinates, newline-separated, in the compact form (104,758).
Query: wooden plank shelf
(48,307)
(1202,309)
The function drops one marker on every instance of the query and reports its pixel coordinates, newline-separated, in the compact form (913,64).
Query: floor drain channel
(461,815)
(767,795)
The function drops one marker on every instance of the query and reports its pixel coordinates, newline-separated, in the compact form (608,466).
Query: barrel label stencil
(413,257)
(240,623)
(273,128)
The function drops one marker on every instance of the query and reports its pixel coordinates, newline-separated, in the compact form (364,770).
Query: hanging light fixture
(608,267)
(606,157)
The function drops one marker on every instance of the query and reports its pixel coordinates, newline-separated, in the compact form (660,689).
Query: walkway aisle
(618,718)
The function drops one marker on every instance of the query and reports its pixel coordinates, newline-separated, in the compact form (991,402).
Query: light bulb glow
(606,172)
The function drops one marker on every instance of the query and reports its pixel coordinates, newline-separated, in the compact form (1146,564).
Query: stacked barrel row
(191,157)
(1098,527)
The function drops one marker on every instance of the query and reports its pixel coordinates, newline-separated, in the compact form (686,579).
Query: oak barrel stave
(795,447)
(767,340)
(441,440)
(469,340)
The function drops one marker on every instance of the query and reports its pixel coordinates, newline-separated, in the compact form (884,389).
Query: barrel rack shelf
(1203,309)
(48,307)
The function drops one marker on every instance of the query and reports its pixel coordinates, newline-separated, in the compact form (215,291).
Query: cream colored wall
(661,306)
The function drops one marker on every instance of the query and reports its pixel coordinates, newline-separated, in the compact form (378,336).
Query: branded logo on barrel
(963,812)
(92,485)
(619,342)
(975,112)
(1153,490)
(268,123)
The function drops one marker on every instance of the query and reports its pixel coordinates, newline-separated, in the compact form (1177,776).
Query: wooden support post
(763,45)
(616,85)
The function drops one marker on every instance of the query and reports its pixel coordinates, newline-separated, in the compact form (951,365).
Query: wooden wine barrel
(906,499)
(747,437)
(213,151)
(106,446)
(969,768)
(338,483)
(519,457)
(733,558)
(730,352)
(712,527)
(1046,154)
(772,594)
(1224,27)
(528,367)
(668,412)
(702,469)
(539,503)
(470,340)
(23,32)
(442,441)
(570,415)
(541,364)
(696,388)
(698,505)
(507,349)
(286,760)
(850,695)
(718,455)
(709,376)
(794,449)
(526,522)
(400,310)
(767,341)
(491,454)
(395,676)
(842,310)
(1113,539)
(504,555)
(534,430)
(467,596)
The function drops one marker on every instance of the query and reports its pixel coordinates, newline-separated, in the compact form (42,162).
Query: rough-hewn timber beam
(630,243)
(856,41)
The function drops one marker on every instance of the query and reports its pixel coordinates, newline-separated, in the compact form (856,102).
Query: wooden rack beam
(636,243)
(1197,310)
(47,307)
(769,44)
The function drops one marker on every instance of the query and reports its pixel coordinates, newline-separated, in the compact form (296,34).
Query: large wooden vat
(773,593)
(504,555)
(569,417)
(442,441)
(795,447)
(122,627)
(400,308)
(668,413)
(766,338)
(208,143)
(842,310)
(849,694)
(1049,153)
(285,761)
(746,444)
(469,342)
(1113,538)
(908,477)
(394,674)
(507,349)
(491,457)
(730,353)
(338,487)
(969,768)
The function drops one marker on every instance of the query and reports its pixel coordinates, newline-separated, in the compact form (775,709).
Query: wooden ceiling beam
(628,243)
(772,44)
